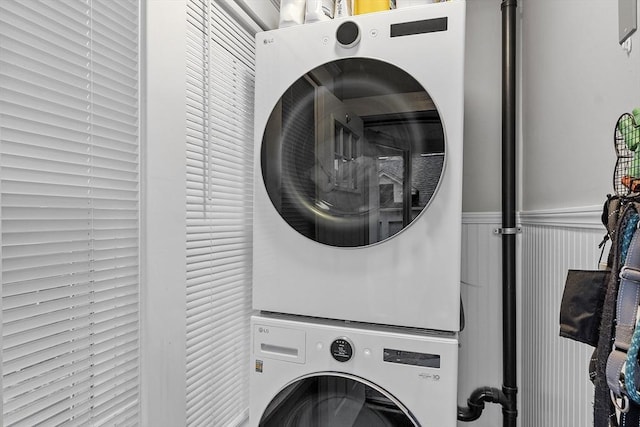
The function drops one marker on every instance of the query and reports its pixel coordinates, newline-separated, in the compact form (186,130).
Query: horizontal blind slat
(70,211)
(219,118)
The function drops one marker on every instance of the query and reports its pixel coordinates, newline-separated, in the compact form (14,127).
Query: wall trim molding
(481,218)
(576,217)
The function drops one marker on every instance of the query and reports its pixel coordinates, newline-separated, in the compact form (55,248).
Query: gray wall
(482,109)
(576,82)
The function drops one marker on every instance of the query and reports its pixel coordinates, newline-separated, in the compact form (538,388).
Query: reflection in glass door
(353,152)
(335,401)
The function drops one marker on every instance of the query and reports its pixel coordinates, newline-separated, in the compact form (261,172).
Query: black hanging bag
(581,306)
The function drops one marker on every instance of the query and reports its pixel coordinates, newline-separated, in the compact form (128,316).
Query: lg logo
(262,330)
(430,377)
(267,41)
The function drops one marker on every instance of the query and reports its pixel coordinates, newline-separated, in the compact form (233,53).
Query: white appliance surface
(412,278)
(290,353)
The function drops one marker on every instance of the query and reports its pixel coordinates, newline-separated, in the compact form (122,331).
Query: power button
(342,349)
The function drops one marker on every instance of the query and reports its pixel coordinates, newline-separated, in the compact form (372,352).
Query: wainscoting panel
(554,385)
(554,389)
(480,359)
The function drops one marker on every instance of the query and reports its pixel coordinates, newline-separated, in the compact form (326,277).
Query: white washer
(329,374)
(358,176)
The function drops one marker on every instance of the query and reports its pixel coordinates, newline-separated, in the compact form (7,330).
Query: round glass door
(332,401)
(353,152)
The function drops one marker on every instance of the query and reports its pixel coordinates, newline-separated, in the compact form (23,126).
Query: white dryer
(358,167)
(332,374)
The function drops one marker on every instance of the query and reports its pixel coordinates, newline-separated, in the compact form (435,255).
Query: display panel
(353,152)
(404,357)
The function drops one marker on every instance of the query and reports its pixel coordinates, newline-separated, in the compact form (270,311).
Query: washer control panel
(411,358)
(342,349)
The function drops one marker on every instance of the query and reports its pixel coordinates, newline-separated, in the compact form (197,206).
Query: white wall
(164,307)
(480,358)
(482,107)
(576,82)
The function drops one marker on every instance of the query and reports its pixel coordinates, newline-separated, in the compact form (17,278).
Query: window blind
(69,189)
(220,78)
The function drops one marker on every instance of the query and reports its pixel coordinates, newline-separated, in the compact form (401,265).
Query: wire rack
(626,175)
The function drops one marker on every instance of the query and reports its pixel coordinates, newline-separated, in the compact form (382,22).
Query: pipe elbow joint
(487,394)
(475,403)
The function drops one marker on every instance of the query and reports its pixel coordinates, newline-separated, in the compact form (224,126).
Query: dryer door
(335,400)
(353,152)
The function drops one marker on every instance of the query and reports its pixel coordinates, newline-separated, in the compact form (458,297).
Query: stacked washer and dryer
(357,221)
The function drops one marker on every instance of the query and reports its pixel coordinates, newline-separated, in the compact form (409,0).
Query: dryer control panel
(348,34)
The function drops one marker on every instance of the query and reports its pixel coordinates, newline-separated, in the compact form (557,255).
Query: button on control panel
(342,349)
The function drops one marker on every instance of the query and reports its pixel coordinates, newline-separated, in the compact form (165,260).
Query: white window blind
(220,80)
(69,189)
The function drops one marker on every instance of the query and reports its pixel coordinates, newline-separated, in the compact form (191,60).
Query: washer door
(353,152)
(335,400)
